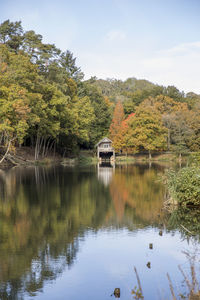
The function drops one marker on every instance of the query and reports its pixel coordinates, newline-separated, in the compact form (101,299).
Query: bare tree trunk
(149,155)
(41,142)
(47,147)
(8,148)
(52,144)
(180,157)
(54,150)
(64,153)
(1,139)
(44,147)
(37,147)
(168,140)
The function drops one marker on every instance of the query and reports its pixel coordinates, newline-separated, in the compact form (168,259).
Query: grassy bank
(184,186)
(164,157)
(25,156)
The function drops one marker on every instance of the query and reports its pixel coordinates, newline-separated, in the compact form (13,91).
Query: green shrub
(87,160)
(195,158)
(184,186)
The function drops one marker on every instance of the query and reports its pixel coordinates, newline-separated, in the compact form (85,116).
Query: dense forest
(46,104)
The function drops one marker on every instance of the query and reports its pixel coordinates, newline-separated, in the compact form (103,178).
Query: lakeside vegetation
(48,107)
(184,198)
(184,185)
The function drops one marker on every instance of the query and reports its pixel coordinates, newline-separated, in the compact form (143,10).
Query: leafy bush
(184,186)
(195,158)
(87,160)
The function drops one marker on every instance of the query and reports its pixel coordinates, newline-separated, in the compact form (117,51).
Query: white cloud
(184,48)
(179,66)
(116,35)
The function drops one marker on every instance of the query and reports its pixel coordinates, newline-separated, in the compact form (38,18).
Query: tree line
(46,104)
(159,123)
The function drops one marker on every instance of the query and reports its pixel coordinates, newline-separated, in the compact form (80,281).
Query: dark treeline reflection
(187,221)
(45,212)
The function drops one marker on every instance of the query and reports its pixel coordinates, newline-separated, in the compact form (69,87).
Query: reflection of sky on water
(106,260)
(67,233)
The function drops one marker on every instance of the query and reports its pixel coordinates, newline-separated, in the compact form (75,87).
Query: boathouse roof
(104,140)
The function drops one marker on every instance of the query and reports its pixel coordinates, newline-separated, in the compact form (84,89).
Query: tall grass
(184,186)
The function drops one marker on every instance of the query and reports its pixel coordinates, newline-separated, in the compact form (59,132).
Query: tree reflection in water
(45,212)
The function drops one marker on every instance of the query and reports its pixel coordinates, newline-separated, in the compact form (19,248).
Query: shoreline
(86,158)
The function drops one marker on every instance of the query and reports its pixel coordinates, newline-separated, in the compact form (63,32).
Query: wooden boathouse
(105,151)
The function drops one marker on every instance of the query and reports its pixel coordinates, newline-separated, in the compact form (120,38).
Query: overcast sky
(158,40)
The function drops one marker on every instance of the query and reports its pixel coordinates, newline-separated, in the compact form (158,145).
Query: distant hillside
(133,91)
(114,87)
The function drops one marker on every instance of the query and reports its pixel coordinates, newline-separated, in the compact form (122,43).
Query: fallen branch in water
(187,230)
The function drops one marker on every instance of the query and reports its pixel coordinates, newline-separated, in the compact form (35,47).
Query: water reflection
(187,221)
(105,172)
(137,194)
(46,212)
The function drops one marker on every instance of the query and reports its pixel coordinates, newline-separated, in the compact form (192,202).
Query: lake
(78,233)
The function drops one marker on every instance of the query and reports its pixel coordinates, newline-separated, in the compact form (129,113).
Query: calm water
(77,233)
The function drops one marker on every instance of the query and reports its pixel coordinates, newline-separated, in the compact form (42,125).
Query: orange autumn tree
(122,136)
(118,117)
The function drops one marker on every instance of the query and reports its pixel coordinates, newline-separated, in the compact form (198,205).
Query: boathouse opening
(105,151)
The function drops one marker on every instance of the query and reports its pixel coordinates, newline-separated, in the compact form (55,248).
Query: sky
(157,40)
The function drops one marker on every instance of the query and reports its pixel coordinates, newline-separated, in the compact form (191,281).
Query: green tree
(102,112)
(32,43)
(181,131)
(68,63)
(172,92)
(146,131)
(172,112)
(14,114)
(84,114)
(11,34)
